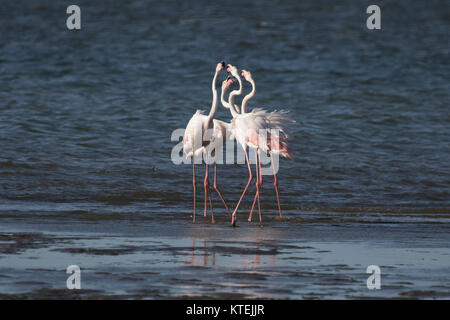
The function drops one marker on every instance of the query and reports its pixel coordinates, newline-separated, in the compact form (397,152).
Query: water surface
(85,124)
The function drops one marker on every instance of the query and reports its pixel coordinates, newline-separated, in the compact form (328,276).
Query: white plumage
(203,134)
(259,129)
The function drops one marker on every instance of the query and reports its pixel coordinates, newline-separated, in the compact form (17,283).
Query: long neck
(235,93)
(226,104)
(248,97)
(213,110)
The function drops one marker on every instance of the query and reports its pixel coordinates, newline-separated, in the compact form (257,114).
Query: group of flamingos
(258,129)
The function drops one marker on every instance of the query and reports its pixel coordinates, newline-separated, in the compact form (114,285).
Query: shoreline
(177,259)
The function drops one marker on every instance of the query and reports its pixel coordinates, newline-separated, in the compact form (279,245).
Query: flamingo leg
(233,216)
(275,183)
(208,190)
(193,178)
(216,188)
(260,185)
(210,204)
(260,174)
(257,188)
(205,186)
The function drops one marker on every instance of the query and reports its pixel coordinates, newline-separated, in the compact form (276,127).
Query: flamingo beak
(229,80)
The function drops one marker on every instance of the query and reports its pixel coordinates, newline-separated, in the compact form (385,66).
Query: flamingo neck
(235,93)
(226,104)
(248,97)
(213,110)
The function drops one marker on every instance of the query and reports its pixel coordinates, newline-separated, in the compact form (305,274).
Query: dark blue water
(86,116)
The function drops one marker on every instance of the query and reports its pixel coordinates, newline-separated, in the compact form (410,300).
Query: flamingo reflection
(208,256)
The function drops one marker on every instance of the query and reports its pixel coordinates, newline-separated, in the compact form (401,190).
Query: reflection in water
(250,260)
(204,254)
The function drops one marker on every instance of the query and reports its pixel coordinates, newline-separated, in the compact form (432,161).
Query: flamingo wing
(193,134)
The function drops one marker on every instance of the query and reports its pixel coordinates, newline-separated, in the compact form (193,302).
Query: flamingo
(275,143)
(242,127)
(194,146)
(247,128)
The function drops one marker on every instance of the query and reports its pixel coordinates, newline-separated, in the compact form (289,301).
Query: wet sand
(323,255)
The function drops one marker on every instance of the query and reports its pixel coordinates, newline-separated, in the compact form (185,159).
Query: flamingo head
(227,83)
(233,70)
(220,66)
(247,75)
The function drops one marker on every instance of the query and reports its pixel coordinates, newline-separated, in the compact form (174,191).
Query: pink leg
(217,189)
(260,174)
(275,183)
(210,204)
(208,191)
(257,188)
(193,179)
(233,216)
(205,185)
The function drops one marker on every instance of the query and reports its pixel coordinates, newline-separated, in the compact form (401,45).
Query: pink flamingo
(273,145)
(194,146)
(247,128)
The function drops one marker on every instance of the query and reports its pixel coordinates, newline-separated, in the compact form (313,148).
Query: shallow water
(288,259)
(85,124)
